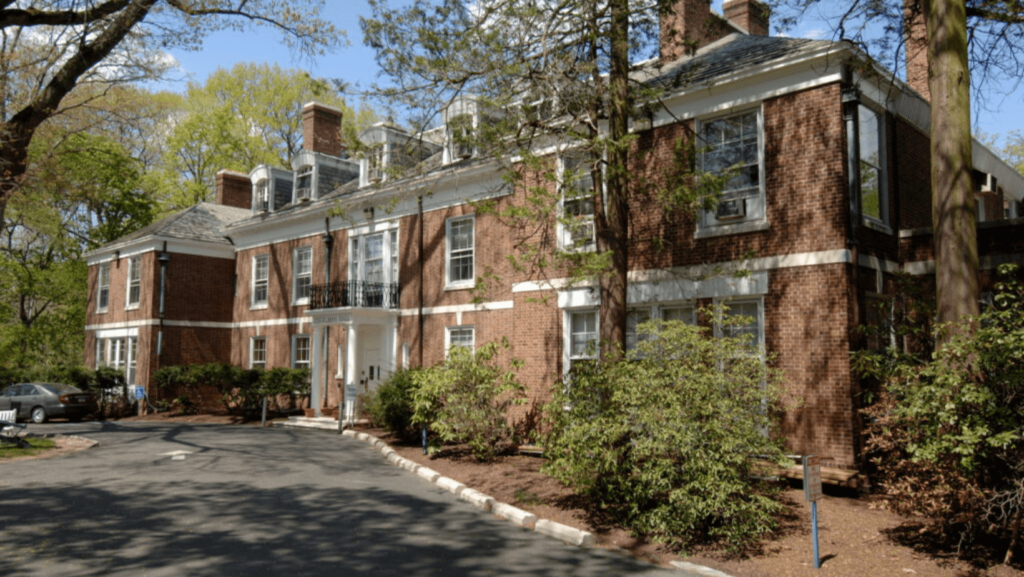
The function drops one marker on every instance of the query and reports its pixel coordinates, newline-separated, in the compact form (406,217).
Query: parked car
(40,401)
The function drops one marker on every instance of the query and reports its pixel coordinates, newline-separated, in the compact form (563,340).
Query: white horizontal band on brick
(490,306)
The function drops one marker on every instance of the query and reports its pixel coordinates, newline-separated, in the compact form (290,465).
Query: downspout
(419,204)
(163,258)
(328,249)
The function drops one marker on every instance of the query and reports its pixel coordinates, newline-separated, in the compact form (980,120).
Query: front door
(371,359)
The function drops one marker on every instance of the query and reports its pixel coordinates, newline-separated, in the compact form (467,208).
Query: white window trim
(296,300)
(567,356)
(134,265)
(253,303)
(294,348)
(310,168)
(561,228)
(760,318)
(448,337)
(252,350)
(461,284)
(883,224)
(757,217)
(101,287)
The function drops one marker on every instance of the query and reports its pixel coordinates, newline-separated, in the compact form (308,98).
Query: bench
(8,426)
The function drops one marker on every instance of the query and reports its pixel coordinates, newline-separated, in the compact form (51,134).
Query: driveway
(162,499)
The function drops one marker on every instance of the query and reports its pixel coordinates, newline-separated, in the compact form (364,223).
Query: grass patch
(38,445)
(524,497)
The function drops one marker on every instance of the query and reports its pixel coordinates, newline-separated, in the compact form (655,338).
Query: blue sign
(140,392)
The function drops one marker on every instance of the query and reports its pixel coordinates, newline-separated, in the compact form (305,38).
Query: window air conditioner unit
(732,209)
(464,151)
(302,194)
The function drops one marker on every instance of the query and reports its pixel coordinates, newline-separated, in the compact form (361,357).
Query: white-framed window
(373,261)
(634,318)
(260,280)
(258,353)
(581,337)
(734,143)
(102,287)
(134,281)
(118,353)
(874,200)
(685,313)
(752,311)
(304,182)
(300,352)
(261,195)
(576,208)
(460,336)
(459,252)
(302,274)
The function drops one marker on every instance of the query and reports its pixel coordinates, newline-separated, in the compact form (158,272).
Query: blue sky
(355,63)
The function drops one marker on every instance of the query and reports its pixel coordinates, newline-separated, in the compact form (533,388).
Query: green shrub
(241,390)
(947,435)
(466,399)
(391,405)
(669,439)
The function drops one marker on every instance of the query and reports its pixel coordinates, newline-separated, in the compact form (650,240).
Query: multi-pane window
(749,325)
(459,254)
(261,195)
(300,352)
(460,337)
(873,202)
(683,314)
(118,353)
(134,280)
(582,337)
(634,318)
(258,353)
(576,225)
(730,145)
(304,183)
(302,271)
(102,287)
(260,279)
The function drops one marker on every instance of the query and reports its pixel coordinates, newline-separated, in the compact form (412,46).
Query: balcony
(354,294)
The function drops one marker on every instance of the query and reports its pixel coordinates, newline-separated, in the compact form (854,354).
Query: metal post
(263,419)
(424,439)
(814,533)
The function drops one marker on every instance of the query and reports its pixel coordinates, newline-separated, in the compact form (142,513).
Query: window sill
(301,303)
(259,307)
(101,311)
(460,287)
(705,231)
(589,247)
(875,225)
(133,307)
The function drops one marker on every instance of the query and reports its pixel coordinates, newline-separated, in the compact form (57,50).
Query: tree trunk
(953,207)
(613,232)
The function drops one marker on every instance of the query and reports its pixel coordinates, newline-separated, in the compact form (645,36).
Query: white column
(351,370)
(316,370)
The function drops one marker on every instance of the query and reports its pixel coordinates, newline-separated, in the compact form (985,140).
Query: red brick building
(339,266)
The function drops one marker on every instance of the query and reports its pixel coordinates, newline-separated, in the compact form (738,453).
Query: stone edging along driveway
(483,502)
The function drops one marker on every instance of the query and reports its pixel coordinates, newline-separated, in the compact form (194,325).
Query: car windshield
(59,389)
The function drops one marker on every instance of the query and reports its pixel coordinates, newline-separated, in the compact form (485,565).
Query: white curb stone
(428,474)
(386,451)
(698,569)
(477,499)
(450,485)
(565,533)
(515,515)
(411,466)
(348,433)
(362,436)
(395,458)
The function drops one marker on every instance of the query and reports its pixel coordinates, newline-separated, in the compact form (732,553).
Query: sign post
(812,493)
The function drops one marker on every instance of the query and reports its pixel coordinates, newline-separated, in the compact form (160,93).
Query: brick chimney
(689,26)
(750,15)
(321,129)
(234,189)
(915,33)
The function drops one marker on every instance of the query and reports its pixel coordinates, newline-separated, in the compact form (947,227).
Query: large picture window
(732,145)
(459,253)
(873,198)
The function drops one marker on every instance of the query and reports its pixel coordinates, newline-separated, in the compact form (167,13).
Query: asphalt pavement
(161,499)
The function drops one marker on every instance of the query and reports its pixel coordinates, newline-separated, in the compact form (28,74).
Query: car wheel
(38,415)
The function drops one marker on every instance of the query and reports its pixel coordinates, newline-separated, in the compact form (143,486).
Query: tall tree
(542,73)
(967,42)
(240,118)
(54,46)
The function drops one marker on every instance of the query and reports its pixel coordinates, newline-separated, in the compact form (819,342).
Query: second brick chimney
(688,27)
(234,189)
(321,129)
(750,15)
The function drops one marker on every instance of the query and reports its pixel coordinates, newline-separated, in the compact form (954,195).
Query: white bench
(8,424)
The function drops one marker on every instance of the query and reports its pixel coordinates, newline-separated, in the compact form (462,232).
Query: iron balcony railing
(354,293)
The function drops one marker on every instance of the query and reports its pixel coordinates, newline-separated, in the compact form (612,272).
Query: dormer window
(271,188)
(304,183)
(376,163)
(261,195)
(464,121)
(460,136)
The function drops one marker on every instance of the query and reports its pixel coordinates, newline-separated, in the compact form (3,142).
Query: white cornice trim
(469,308)
(110,252)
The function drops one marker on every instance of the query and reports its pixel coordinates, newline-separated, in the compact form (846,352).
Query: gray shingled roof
(733,53)
(203,222)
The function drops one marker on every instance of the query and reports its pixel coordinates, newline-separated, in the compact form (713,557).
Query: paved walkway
(180,499)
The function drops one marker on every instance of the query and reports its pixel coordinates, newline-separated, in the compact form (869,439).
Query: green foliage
(466,399)
(668,440)
(948,433)
(242,390)
(391,405)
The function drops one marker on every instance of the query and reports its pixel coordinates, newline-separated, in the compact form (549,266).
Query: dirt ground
(857,537)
